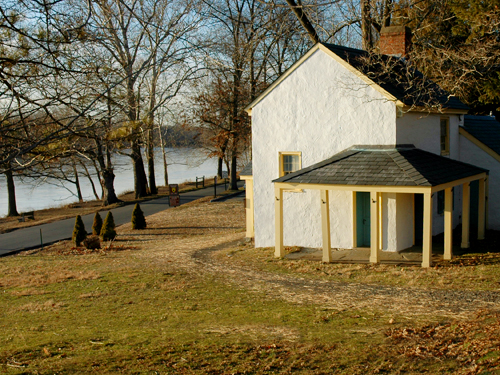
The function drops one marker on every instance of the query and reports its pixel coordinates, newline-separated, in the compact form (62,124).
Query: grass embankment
(83,208)
(148,306)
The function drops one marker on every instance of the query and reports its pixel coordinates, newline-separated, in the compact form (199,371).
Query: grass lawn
(143,309)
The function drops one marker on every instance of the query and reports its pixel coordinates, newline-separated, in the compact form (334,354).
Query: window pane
(290,163)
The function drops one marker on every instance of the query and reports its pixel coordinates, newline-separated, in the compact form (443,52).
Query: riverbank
(49,215)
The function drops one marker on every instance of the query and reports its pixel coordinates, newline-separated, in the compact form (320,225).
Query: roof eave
(447,111)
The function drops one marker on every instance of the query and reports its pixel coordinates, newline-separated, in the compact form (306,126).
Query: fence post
(203,181)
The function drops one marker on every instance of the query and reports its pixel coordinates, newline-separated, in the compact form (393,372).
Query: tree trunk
(77,184)
(140,181)
(11,191)
(87,174)
(151,163)
(107,183)
(304,21)
(219,167)
(366,25)
(233,182)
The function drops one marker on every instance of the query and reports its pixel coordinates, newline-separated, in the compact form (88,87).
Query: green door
(363,219)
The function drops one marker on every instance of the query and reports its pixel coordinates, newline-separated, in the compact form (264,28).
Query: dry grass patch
(34,307)
(43,277)
(469,271)
(474,343)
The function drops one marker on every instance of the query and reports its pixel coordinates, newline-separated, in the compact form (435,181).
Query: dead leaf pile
(475,343)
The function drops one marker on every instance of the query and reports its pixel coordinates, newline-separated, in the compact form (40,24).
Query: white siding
(470,153)
(424,131)
(320,109)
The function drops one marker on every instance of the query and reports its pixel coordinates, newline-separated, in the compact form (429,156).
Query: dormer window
(289,162)
(445,136)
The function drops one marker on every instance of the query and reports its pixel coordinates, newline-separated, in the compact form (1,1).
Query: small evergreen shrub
(108,231)
(92,242)
(138,219)
(97,225)
(79,232)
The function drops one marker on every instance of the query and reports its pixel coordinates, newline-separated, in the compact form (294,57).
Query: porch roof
(247,170)
(383,165)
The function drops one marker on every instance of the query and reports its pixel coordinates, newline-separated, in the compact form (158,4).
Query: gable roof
(379,165)
(485,129)
(399,78)
(402,84)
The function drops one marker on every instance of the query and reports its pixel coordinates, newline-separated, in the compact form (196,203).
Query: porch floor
(412,255)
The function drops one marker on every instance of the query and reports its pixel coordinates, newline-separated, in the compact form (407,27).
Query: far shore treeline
(83,80)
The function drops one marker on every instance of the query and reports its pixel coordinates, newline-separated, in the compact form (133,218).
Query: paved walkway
(29,238)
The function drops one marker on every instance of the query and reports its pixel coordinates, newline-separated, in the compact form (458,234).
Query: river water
(185,164)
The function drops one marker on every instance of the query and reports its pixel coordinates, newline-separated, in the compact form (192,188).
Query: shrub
(79,232)
(97,225)
(108,231)
(92,242)
(138,219)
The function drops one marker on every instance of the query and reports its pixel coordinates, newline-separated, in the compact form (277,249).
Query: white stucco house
(346,157)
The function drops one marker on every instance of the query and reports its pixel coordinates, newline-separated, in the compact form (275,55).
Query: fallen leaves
(475,342)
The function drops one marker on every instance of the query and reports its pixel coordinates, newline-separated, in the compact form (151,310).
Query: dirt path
(193,247)
(343,296)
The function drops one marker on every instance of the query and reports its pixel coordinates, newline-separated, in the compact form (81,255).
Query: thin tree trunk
(233,182)
(89,177)
(219,167)
(11,191)
(366,25)
(77,184)
(164,154)
(140,180)
(151,162)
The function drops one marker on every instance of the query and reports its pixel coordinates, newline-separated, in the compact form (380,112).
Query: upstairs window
(289,162)
(445,136)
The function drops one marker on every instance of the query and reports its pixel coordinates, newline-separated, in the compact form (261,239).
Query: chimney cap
(395,29)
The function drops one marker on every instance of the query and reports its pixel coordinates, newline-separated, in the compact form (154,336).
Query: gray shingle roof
(402,166)
(407,84)
(247,170)
(486,129)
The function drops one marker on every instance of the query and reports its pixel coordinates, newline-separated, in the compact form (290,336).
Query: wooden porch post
(249,208)
(465,215)
(325,225)
(279,250)
(374,253)
(427,235)
(481,211)
(448,224)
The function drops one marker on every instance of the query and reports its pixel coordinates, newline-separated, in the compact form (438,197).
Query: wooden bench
(26,215)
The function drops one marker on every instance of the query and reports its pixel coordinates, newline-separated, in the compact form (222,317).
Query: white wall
(424,131)
(320,109)
(470,153)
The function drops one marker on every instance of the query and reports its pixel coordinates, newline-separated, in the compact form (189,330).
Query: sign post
(174,200)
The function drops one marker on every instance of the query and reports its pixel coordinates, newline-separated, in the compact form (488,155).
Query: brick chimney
(395,41)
